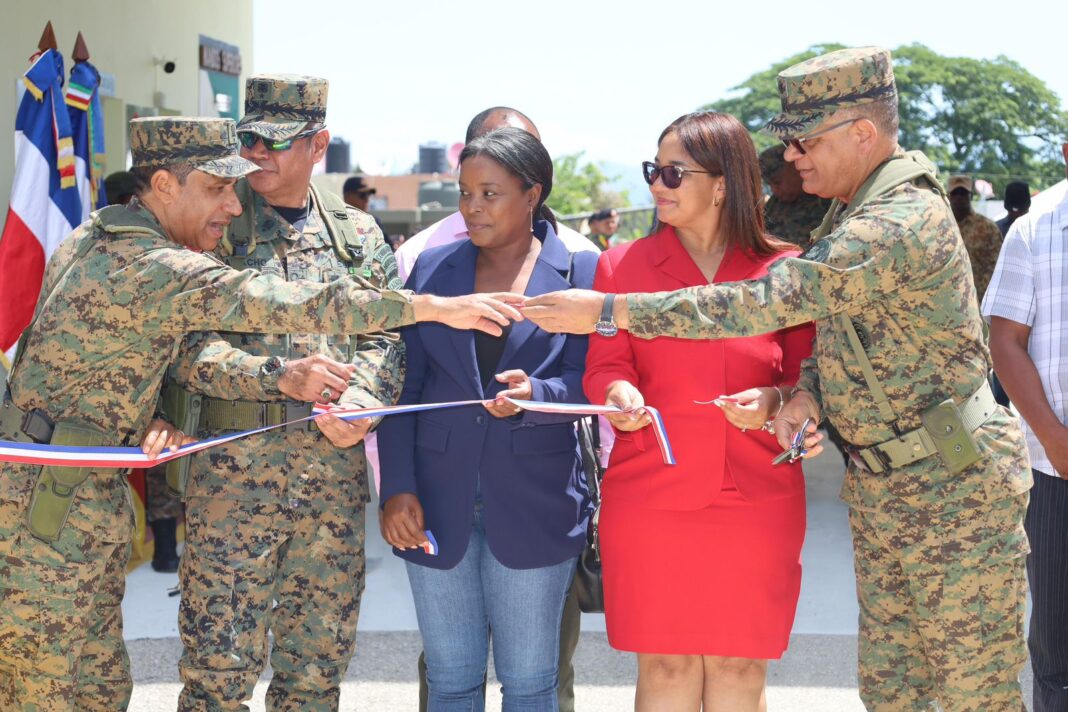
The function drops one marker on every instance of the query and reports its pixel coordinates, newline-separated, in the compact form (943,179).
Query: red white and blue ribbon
(132,457)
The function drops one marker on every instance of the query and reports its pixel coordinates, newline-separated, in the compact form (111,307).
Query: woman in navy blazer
(500,488)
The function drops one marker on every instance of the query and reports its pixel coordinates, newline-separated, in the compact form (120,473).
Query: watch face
(606,328)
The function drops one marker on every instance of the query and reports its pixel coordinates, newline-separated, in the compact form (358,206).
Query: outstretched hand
(572,311)
(484,312)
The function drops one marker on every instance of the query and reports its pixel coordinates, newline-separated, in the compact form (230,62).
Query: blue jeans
(458,607)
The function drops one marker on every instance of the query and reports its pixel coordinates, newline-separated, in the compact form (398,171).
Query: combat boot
(165,556)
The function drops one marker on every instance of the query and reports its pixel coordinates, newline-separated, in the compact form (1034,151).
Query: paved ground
(816,675)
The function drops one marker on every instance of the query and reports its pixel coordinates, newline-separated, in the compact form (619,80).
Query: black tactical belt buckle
(296,411)
(37,426)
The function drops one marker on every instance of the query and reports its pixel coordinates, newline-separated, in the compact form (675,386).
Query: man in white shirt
(1027,307)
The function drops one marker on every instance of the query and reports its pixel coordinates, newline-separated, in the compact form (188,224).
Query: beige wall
(124,37)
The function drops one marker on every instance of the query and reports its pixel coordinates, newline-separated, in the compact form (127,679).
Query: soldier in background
(117,298)
(938,484)
(981,235)
(789,213)
(275,525)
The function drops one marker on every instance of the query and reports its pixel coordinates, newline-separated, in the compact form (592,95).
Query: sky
(600,77)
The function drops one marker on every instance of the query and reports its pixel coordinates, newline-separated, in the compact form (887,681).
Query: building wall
(124,37)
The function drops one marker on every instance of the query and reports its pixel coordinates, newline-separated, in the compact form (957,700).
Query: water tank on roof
(445,194)
(338,159)
(432,158)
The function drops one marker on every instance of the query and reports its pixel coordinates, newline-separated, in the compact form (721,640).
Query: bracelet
(766,427)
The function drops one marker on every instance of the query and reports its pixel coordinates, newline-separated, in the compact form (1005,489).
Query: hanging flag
(87,132)
(44,205)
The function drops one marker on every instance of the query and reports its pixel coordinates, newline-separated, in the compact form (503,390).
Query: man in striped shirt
(1026,305)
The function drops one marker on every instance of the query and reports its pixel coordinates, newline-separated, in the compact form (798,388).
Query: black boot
(165,557)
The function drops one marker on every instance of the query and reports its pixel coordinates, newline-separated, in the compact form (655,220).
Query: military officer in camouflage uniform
(275,525)
(117,299)
(938,484)
(789,213)
(982,236)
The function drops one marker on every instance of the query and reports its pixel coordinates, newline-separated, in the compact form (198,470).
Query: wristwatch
(271,370)
(606,325)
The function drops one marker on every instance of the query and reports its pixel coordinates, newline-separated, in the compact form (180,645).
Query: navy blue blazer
(526,467)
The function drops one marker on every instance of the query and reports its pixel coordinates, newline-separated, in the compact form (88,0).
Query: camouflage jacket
(794,222)
(982,238)
(106,332)
(227,366)
(895,265)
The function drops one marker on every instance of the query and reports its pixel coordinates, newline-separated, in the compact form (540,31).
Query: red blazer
(672,373)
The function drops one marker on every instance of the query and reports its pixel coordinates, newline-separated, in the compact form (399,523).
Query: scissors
(797,446)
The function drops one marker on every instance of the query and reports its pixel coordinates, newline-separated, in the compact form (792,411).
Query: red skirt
(719,581)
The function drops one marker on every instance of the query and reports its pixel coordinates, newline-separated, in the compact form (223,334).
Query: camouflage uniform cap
(772,161)
(816,88)
(280,106)
(209,145)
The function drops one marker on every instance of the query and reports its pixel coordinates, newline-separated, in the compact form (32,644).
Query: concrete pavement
(818,673)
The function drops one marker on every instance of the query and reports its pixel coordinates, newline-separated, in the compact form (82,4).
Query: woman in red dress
(701,560)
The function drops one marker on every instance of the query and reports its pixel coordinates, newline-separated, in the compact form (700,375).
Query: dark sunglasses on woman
(248,139)
(670,176)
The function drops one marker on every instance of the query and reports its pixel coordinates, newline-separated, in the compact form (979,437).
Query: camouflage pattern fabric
(160,502)
(772,160)
(816,88)
(794,222)
(982,238)
(298,476)
(280,106)
(61,647)
(896,267)
(942,600)
(209,145)
(97,355)
(311,560)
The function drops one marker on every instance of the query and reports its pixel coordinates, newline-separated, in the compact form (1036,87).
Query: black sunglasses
(248,139)
(799,142)
(670,176)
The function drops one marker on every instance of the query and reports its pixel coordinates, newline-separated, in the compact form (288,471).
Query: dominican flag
(44,207)
(87,132)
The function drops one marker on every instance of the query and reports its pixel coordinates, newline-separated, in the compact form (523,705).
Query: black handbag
(588,583)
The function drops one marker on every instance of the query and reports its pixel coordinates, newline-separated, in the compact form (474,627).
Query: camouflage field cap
(280,106)
(209,145)
(772,161)
(816,88)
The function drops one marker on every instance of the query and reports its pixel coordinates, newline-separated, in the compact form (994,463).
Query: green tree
(986,117)
(582,188)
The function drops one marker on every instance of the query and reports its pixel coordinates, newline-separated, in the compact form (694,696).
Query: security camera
(167,65)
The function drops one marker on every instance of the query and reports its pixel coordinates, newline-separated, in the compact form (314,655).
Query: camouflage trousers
(250,567)
(160,502)
(942,603)
(61,646)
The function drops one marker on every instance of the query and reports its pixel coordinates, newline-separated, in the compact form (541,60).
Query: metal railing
(633,222)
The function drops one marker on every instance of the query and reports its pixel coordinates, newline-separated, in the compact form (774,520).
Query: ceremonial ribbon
(132,457)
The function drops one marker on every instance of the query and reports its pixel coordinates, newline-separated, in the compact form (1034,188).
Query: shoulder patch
(818,251)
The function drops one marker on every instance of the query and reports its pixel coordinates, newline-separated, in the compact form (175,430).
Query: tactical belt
(918,444)
(221,414)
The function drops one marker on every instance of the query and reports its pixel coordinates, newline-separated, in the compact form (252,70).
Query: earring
(531,219)
(716,201)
